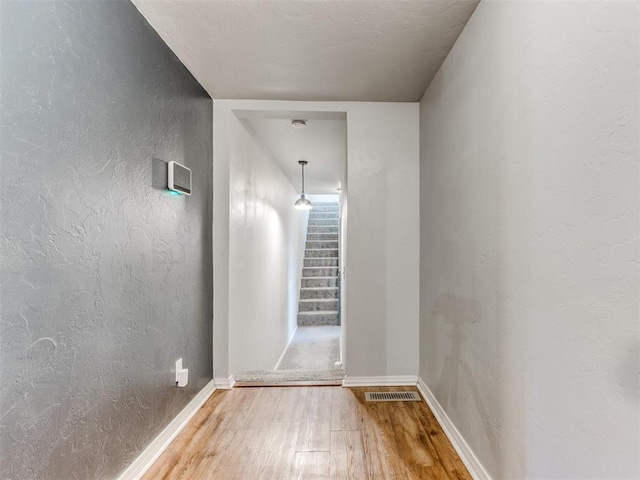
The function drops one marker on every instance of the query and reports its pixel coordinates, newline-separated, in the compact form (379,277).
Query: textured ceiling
(359,50)
(323,143)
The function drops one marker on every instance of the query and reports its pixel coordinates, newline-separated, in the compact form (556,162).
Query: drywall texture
(382,263)
(105,278)
(266,247)
(382,255)
(529,239)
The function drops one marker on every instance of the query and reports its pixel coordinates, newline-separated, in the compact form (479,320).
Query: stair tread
(320,288)
(318,312)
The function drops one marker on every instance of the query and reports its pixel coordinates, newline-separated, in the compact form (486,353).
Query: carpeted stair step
(321,262)
(322,229)
(317,318)
(252,378)
(326,215)
(319,282)
(319,272)
(333,212)
(320,252)
(326,204)
(319,292)
(321,237)
(329,222)
(318,305)
(314,245)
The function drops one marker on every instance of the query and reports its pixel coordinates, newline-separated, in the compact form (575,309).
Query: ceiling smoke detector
(298,123)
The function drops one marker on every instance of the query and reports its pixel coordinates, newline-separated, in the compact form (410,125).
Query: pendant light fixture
(302,203)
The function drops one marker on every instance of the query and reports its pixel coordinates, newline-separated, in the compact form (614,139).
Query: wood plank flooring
(309,433)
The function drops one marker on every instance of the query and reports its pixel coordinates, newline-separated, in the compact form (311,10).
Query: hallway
(486,155)
(309,433)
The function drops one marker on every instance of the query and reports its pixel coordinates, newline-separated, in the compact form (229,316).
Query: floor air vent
(392,397)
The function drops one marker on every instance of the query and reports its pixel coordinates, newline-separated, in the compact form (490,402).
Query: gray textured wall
(105,278)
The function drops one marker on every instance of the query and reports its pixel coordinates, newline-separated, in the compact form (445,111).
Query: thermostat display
(179,178)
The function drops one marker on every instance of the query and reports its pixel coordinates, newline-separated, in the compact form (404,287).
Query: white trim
(391,381)
(140,465)
(467,456)
(285,349)
(225,383)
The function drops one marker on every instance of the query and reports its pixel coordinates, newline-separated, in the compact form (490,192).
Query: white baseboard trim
(225,383)
(140,465)
(467,456)
(386,381)
(285,349)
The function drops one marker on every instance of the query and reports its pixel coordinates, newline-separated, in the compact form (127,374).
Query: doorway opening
(304,311)
(315,347)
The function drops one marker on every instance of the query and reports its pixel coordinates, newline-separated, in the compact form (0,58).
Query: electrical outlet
(182,374)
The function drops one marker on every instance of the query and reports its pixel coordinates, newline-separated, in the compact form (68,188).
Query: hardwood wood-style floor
(309,433)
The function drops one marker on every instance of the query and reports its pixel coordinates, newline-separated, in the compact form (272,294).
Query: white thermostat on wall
(179,178)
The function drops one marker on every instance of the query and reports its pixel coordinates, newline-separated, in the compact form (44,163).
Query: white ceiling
(323,143)
(358,50)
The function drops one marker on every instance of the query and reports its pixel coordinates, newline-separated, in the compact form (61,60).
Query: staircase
(319,290)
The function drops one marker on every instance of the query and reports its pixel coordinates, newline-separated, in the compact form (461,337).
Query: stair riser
(311,282)
(319,272)
(323,215)
(328,293)
(325,252)
(324,211)
(322,229)
(324,222)
(317,245)
(319,305)
(327,319)
(320,262)
(314,237)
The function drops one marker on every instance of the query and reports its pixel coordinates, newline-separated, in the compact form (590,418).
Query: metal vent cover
(392,397)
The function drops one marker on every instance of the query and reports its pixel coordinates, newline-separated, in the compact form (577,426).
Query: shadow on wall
(460,313)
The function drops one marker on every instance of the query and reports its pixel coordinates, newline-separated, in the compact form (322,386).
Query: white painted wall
(220,241)
(266,246)
(382,255)
(344,221)
(382,269)
(529,240)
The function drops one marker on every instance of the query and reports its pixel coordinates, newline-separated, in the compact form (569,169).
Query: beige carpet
(313,348)
(310,358)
